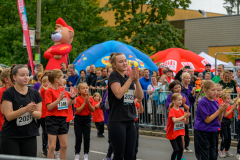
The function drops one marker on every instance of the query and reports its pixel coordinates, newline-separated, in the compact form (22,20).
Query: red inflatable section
(177,58)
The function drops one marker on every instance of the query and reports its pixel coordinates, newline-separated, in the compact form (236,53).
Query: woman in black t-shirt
(121,95)
(20,106)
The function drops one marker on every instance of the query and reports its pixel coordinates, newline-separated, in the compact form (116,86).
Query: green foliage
(83,16)
(233,57)
(231,6)
(144,24)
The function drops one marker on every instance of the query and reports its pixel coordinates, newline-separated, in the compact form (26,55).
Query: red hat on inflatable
(63,23)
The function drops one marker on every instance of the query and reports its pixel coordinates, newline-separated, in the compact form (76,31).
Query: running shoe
(238,156)
(222,154)
(183,157)
(57,155)
(77,156)
(44,152)
(85,157)
(188,150)
(228,154)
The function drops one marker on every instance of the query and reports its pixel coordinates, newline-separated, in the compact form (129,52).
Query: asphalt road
(150,148)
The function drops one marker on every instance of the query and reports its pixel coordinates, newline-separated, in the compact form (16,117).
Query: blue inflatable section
(99,56)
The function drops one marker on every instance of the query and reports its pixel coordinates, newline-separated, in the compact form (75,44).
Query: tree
(83,16)
(144,24)
(232,58)
(230,5)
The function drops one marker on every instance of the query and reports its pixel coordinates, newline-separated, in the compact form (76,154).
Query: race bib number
(63,104)
(179,125)
(129,96)
(24,119)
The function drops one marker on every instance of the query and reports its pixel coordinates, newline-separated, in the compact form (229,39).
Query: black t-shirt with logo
(25,126)
(119,110)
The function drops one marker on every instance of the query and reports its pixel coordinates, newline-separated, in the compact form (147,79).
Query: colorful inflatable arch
(99,56)
(176,58)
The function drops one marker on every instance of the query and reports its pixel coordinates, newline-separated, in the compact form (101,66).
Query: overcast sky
(215,6)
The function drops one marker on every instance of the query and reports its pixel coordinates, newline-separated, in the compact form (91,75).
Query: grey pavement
(150,148)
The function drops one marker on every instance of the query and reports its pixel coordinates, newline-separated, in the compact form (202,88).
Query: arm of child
(50,106)
(97,105)
(38,112)
(92,109)
(218,113)
(233,107)
(186,107)
(141,110)
(119,91)
(7,110)
(175,120)
(138,90)
(73,93)
(79,109)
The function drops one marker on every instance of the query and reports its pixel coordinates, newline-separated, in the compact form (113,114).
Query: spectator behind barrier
(72,79)
(208,69)
(220,69)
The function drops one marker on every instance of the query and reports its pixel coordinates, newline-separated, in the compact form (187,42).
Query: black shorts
(56,125)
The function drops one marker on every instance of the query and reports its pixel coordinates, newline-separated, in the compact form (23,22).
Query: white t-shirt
(151,87)
(163,87)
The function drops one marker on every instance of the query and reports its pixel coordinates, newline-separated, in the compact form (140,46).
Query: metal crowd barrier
(11,157)
(155,112)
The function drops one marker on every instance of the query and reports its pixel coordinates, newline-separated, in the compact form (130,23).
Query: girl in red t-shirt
(6,81)
(57,101)
(225,132)
(175,125)
(219,94)
(97,115)
(82,121)
(43,88)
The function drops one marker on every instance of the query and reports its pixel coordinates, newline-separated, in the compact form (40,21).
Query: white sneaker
(229,154)
(77,156)
(222,154)
(57,155)
(85,157)
(238,156)
(188,150)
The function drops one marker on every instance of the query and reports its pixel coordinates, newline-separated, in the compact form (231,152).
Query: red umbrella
(177,58)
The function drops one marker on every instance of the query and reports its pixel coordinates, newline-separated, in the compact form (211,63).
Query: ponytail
(170,105)
(196,100)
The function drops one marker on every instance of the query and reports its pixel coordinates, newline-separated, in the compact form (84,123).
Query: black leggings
(44,133)
(123,137)
(238,136)
(225,134)
(110,149)
(177,146)
(19,146)
(205,145)
(100,127)
(82,126)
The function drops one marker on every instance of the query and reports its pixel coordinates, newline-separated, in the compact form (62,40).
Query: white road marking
(103,153)
(98,152)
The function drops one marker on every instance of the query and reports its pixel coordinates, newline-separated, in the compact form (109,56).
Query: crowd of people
(120,97)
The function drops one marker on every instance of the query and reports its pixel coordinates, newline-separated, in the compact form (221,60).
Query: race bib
(129,96)
(179,125)
(63,104)
(24,119)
